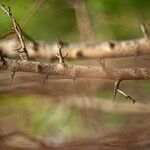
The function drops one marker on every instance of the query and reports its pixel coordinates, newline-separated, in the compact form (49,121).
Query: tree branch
(110,49)
(71,72)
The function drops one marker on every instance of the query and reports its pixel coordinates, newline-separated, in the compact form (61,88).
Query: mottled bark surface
(109,49)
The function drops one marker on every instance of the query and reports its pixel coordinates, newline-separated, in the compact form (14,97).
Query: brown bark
(75,72)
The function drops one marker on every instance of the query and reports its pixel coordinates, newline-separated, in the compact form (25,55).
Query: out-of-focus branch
(34,7)
(83,19)
(28,137)
(110,49)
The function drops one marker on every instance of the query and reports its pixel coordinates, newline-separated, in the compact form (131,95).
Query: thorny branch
(69,72)
(63,70)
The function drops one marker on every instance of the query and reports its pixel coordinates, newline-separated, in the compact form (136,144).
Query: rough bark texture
(74,72)
(109,49)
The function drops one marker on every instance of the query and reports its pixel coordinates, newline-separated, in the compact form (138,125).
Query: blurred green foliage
(111,19)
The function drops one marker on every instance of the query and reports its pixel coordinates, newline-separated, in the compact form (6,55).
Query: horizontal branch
(110,49)
(75,72)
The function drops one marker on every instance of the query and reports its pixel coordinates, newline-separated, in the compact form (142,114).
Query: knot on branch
(111,44)
(116,89)
(60,56)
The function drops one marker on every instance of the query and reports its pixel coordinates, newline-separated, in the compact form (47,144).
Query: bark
(110,49)
(75,72)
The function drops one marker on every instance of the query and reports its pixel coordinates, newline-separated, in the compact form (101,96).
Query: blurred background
(63,111)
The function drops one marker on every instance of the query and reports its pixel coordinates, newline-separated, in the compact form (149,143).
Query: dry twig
(144,30)
(61,57)
(116,89)
(16,27)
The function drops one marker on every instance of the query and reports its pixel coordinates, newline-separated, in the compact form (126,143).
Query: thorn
(74,80)
(61,57)
(60,42)
(57,55)
(65,56)
(126,96)
(144,30)
(136,53)
(45,79)
(102,62)
(116,87)
(12,77)
(17,50)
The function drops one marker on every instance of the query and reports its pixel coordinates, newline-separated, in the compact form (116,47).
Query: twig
(12,77)
(102,62)
(126,96)
(18,31)
(144,30)
(45,79)
(116,89)
(61,57)
(116,86)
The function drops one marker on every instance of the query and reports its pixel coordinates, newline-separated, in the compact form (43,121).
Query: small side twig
(116,86)
(12,77)
(16,27)
(116,89)
(60,56)
(102,62)
(45,79)
(126,96)
(144,30)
